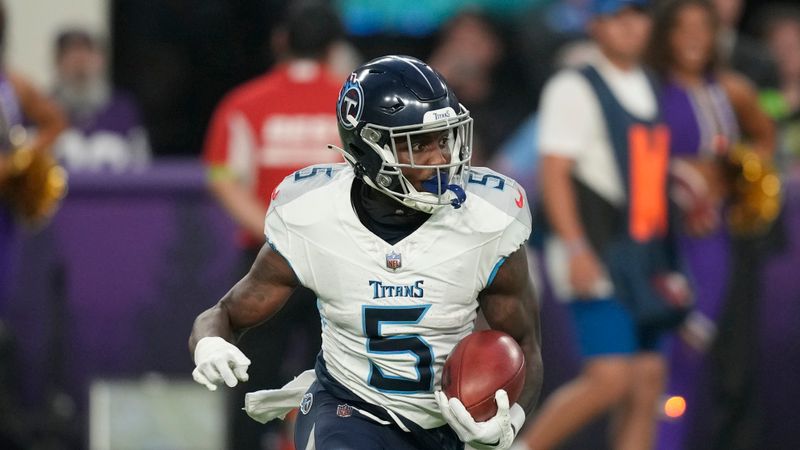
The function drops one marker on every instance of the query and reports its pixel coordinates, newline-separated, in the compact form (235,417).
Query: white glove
(218,360)
(496,433)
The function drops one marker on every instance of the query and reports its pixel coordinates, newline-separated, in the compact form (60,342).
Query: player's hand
(219,361)
(584,273)
(496,433)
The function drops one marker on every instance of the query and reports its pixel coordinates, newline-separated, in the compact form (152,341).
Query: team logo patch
(344,410)
(351,102)
(393,260)
(305,405)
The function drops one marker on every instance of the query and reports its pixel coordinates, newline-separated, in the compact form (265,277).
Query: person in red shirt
(261,132)
(276,124)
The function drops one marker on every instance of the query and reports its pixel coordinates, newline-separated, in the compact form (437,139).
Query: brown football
(482,363)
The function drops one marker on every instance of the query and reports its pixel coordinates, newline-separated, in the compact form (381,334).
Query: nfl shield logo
(393,260)
(344,410)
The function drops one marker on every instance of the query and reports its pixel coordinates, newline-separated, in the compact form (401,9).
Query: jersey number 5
(374,317)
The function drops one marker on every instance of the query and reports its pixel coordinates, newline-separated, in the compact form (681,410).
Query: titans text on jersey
(381,290)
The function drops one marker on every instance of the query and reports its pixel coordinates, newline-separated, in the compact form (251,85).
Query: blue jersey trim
(494,271)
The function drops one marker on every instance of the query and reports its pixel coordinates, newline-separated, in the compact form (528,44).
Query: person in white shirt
(603,175)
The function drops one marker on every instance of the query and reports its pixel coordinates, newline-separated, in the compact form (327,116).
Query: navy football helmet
(393,99)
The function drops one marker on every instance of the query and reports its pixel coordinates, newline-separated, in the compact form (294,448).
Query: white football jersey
(391,314)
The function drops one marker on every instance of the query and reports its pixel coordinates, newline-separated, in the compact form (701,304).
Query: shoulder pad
(306,180)
(502,192)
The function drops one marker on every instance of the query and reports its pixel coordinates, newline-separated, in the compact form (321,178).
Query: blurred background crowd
(175,119)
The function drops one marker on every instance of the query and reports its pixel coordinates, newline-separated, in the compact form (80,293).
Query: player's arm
(254,299)
(510,305)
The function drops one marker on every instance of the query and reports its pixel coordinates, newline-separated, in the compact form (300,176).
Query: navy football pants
(332,424)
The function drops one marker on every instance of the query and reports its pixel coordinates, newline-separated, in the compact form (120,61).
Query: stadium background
(109,289)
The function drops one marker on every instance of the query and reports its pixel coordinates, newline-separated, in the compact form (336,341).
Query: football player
(402,245)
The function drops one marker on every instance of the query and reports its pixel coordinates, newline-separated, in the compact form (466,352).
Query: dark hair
(74,37)
(660,55)
(312,27)
(775,14)
(467,14)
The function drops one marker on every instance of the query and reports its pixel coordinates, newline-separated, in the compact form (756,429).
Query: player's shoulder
(309,179)
(502,192)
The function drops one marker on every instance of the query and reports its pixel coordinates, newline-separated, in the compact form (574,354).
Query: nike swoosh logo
(520,201)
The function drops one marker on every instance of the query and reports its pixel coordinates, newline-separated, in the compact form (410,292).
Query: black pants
(736,414)
(279,350)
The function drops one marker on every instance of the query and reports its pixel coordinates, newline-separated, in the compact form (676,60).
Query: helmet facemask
(445,187)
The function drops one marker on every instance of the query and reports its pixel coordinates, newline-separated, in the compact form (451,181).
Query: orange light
(675,406)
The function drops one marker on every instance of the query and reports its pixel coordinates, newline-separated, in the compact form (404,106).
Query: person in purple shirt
(710,110)
(105,129)
(20,102)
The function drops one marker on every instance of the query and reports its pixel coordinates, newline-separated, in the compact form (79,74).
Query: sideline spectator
(710,110)
(20,103)
(604,157)
(474,59)
(781,29)
(741,52)
(105,127)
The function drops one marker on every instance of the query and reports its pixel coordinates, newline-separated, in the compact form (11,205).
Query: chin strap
(461,196)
